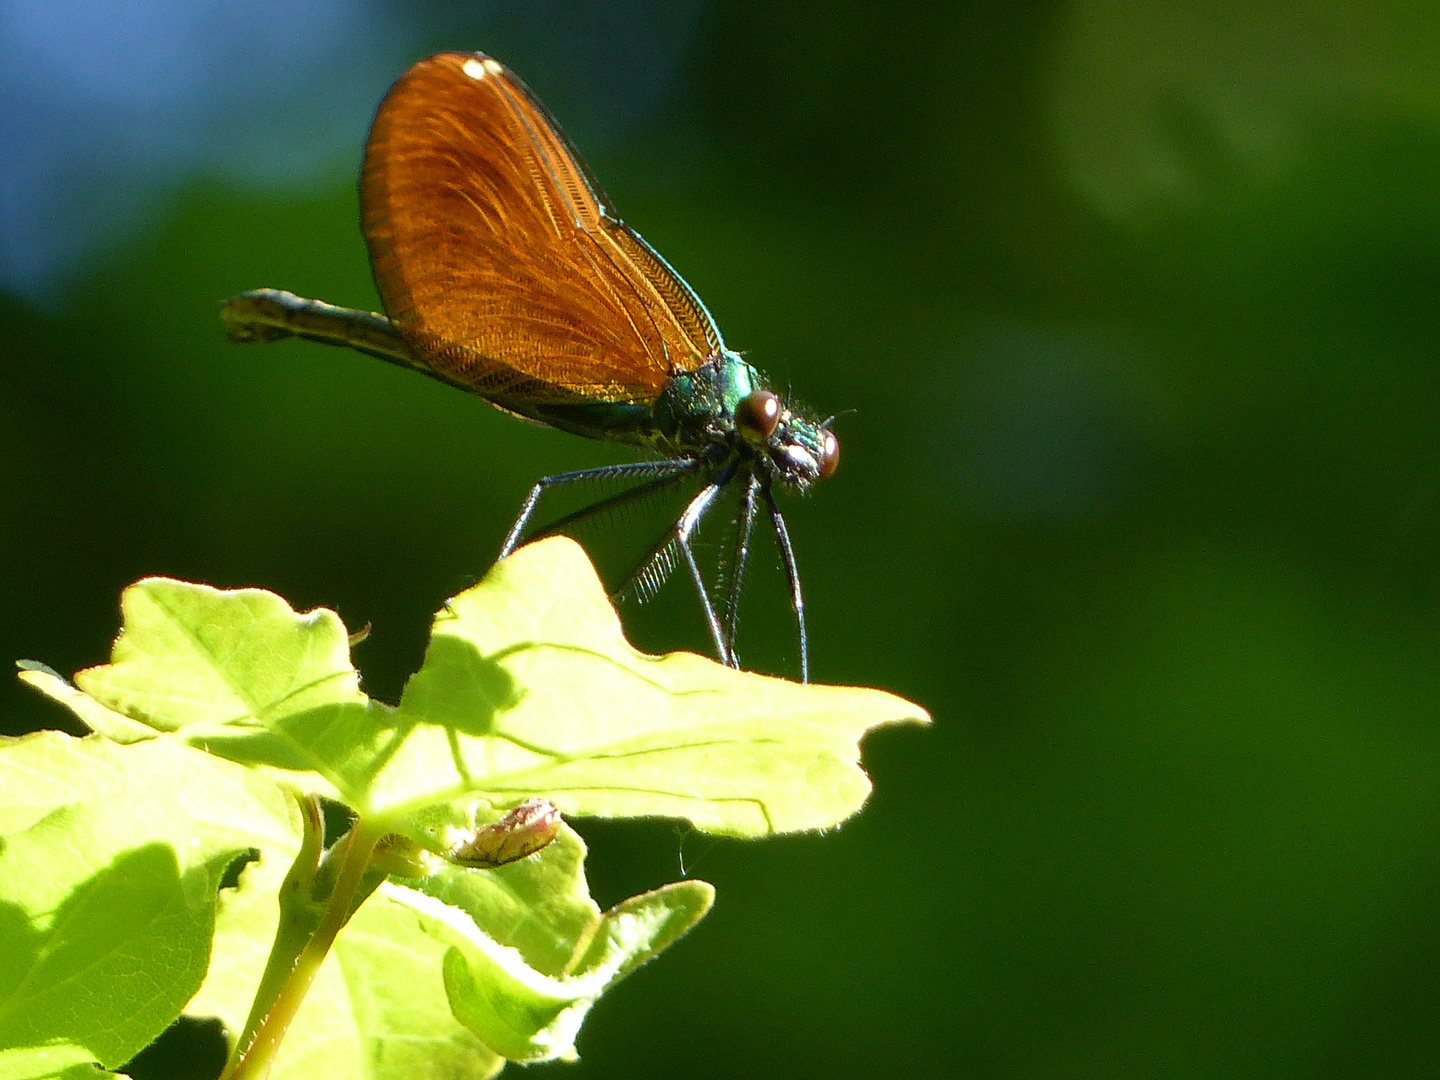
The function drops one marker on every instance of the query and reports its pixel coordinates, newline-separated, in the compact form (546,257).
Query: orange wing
(497,255)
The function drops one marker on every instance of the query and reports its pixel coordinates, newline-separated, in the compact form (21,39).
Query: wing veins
(500,257)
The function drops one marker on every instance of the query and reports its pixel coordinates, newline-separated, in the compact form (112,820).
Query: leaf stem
(320,893)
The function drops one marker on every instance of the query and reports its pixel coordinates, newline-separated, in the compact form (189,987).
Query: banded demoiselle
(505,271)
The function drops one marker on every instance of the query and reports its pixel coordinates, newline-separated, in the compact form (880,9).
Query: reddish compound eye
(757,415)
(829,453)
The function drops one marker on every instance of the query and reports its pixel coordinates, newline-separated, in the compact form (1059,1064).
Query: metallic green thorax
(694,417)
(694,410)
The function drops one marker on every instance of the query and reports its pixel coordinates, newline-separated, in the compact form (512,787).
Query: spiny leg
(609,503)
(650,573)
(656,566)
(659,473)
(688,523)
(744,524)
(792,572)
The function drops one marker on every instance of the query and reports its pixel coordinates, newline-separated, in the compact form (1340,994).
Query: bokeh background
(1136,304)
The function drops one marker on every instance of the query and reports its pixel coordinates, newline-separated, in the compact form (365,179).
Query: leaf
(192,654)
(526,1015)
(113,725)
(541,906)
(529,688)
(58,1061)
(377,1008)
(111,859)
(380,1005)
(228,668)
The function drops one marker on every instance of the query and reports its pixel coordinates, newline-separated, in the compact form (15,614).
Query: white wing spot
(474,68)
(493,66)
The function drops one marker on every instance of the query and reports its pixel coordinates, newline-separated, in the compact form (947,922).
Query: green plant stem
(319,896)
(299,917)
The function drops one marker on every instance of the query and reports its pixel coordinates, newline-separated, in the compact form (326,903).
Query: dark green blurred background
(1137,305)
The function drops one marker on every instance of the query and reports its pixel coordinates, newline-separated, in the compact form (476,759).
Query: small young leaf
(237,672)
(379,1005)
(190,655)
(525,1015)
(541,906)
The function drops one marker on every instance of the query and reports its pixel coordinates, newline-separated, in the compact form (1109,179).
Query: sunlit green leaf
(58,1061)
(527,1016)
(190,654)
(529,689)
(111,860)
